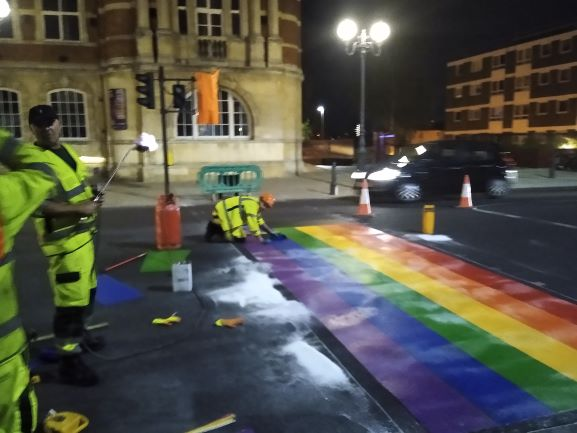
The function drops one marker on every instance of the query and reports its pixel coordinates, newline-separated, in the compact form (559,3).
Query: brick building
(82,56)
(524,95)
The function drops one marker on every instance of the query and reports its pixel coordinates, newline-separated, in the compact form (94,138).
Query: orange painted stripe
(538,319)
(530,295)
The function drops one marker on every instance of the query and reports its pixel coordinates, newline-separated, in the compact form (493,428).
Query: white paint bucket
(181,277)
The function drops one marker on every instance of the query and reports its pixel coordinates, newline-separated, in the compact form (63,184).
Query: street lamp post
(362,42)
(321,110)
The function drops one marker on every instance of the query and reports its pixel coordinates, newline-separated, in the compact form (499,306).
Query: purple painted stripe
(410,381)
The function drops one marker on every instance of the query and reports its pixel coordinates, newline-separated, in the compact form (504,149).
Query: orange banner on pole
(207,92)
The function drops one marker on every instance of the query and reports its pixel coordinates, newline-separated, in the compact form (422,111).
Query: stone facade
(94,51)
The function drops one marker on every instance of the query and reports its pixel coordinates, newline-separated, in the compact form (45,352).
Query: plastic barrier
(229,179)
(167,218)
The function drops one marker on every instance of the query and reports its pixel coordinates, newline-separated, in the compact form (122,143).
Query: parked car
(440,167)
(569,164)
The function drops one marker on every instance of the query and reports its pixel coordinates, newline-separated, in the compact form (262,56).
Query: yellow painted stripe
(543,348)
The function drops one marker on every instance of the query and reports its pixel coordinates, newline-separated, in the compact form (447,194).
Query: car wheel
(408,192)
(497,188)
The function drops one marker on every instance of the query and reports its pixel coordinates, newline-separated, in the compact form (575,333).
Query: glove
(278,237)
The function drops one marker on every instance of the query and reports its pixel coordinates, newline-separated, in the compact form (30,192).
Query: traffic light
(146,89)
(178,96)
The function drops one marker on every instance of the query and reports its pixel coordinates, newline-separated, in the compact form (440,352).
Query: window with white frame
(564,75)
(544,78)
(209,17)
(10,112)
(496,113)
(521,111)
(565,45)
(522,83)
(562,107)
(71,108)
(61,20)
(235,17)
(182,12)
(545,50)
(524,55)
(542,108)
(497,86)
(233,119)
(475,114)
(498,61)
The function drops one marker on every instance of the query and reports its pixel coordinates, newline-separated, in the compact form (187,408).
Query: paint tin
(182,277)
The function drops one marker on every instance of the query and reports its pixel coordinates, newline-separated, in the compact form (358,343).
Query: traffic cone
(364,208)
(466,199)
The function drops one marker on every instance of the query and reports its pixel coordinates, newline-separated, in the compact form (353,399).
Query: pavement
(282,371)
(313,182)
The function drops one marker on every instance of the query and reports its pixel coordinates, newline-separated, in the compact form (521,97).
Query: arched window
(10,112)
(233,119)
(71,108)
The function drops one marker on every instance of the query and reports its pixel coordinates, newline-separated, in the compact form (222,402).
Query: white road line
(535,220)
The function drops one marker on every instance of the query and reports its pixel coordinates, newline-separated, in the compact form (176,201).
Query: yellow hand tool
(168,321)
(230,323)
(218,423)
(64,422)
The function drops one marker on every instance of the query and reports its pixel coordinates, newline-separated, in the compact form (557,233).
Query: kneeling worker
(231,215)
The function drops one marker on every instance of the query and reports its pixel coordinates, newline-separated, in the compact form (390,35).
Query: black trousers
(215,230)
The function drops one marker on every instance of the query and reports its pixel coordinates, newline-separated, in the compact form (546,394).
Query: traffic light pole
(163,112)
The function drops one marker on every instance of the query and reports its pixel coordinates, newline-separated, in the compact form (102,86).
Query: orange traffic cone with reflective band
(364,208)
(466,199)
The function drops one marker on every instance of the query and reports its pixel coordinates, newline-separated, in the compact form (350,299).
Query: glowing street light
(348,32)
(321,110)
(4,9)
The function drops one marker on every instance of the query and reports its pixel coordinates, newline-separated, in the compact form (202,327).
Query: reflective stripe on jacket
(21,192)
(233,213)
(58,235)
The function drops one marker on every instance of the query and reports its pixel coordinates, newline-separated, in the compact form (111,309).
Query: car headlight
(384,174)
(358,174)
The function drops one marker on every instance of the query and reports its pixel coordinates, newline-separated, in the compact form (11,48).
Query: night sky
(405,84)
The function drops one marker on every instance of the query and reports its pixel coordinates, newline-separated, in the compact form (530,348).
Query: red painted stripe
(550,315)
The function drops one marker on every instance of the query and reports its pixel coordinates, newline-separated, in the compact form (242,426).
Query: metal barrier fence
(220,180)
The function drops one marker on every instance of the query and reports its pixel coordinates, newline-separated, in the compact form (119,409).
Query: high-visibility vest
(21,193)
(235,212)
(57,235)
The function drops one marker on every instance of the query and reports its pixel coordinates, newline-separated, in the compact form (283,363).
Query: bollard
(334,188)
(429,219)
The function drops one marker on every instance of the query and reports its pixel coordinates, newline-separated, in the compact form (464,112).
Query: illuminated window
(10,112)
(496,113)
(209,17)
(521,111)
(233,119)
(524,55)
(498,61)
(497,86)
(61,20)
(6,30)
(71,109)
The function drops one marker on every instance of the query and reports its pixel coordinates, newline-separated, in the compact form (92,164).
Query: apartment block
(522,95)
(82,56)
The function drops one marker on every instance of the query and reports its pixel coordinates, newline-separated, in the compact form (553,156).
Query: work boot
(92,343)
(73,371)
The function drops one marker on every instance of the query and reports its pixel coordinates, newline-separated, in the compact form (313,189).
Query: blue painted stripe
(503,401)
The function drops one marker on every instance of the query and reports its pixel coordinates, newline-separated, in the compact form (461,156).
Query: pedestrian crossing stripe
(463,348)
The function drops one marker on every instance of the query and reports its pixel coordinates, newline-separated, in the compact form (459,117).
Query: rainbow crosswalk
(461,347)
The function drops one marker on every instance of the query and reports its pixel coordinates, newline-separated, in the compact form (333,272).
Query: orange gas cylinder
(167,216)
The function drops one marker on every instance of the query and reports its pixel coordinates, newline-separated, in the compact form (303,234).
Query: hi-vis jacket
(21,192)
(58,235)
(233,213)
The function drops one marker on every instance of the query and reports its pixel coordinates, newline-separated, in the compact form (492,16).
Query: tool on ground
(124,262)
(168,321)
(34,339)
(145,142)
(64,422)
(230,323)
(216,424)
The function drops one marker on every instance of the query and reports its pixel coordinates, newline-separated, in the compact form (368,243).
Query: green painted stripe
(549,386)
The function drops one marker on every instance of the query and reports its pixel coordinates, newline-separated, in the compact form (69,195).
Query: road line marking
(535,220)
